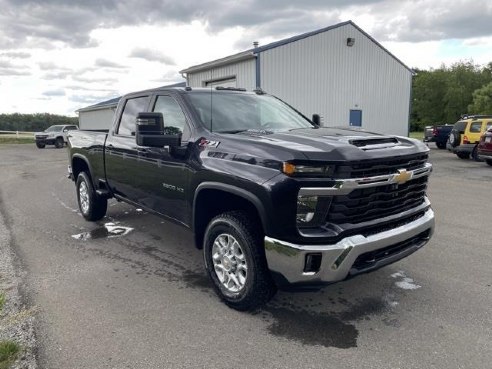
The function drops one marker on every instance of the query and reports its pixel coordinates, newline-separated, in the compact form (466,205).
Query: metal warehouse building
(100,116)
(339,72)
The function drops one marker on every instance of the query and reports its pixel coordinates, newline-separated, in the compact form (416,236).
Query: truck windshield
(54,129)
(238,112)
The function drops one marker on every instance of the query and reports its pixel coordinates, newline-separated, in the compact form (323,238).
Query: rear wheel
(489,162)
(235,261)
(59,142)
(92,206)
(463,155)
(40,145)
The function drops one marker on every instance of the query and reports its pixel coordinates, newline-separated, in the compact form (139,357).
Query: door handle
(141,149)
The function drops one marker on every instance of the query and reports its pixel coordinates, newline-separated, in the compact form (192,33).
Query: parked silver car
(54,135)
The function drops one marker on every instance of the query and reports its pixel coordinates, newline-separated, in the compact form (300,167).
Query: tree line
(445,94)
(33,122)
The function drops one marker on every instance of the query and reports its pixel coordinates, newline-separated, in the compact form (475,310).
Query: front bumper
(351,256)
(484,155)
(45,141)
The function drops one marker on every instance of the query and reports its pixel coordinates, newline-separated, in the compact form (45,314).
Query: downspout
(258,75)
(258,66)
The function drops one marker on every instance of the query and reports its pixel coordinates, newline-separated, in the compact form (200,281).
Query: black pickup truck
(438,134)
(274,200)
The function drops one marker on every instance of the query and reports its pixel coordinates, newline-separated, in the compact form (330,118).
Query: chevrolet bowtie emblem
(402,176)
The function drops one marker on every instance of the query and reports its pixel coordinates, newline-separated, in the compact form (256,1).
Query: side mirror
(65,130)
(316,120)
(151,132)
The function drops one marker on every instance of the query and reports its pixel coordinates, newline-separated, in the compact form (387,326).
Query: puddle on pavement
(109,230)
(197,280)
(333,329)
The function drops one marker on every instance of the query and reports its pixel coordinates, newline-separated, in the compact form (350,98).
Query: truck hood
(320,144)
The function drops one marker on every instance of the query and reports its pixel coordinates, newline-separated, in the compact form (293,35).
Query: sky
(57,56)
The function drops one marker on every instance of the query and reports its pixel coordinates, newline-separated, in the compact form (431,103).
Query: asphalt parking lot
(138,297)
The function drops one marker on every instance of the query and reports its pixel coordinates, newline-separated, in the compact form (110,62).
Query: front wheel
(474,154)
(40,145)
(235,261)
(489,162)
(59,143)
(92,206)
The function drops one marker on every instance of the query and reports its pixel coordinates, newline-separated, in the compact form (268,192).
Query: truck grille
(370,203)
(379,167)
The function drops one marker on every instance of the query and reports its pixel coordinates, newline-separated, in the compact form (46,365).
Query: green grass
(419,135)
(2,301)
(9,350)
(15,140)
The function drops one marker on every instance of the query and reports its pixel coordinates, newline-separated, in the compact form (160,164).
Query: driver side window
(174,118)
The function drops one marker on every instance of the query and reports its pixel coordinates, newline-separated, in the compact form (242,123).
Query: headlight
(306,170)
(312,210)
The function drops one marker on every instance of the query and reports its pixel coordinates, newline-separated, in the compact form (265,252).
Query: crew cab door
(166,169)
(123,172)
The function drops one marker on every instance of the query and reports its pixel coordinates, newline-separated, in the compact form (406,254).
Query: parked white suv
(54,135)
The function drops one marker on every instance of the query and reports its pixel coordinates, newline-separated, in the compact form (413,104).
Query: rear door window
(476,127)
(128,118)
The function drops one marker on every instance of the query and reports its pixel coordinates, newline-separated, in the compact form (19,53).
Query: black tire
(59,143)
(463,155)
(92,207)
(489,162)
(441,145)
(258,287)
(474,154)
(454,138)
(40,145)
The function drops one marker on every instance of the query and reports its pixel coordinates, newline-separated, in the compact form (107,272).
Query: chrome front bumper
(288,260)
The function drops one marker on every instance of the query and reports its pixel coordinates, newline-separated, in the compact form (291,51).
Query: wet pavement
(130,291)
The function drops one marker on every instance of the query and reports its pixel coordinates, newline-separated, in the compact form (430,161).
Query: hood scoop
(375,143)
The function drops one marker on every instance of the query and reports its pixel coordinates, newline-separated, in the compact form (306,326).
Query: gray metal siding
(244,72)
(320,74)
(96,119)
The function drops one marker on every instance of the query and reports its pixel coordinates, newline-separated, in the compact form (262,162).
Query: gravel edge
(16,317)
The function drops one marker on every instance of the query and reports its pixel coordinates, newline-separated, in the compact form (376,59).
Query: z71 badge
(206,143)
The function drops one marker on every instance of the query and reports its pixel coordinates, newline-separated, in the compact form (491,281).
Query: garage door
(230,82)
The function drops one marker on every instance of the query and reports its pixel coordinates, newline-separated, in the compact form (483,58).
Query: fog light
(312,263)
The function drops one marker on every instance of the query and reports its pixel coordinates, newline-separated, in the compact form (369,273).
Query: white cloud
(95,50)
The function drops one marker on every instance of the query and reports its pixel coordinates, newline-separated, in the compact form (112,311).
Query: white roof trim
(245,55)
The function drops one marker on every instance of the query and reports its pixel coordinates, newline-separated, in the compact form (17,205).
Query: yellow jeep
(465,135)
